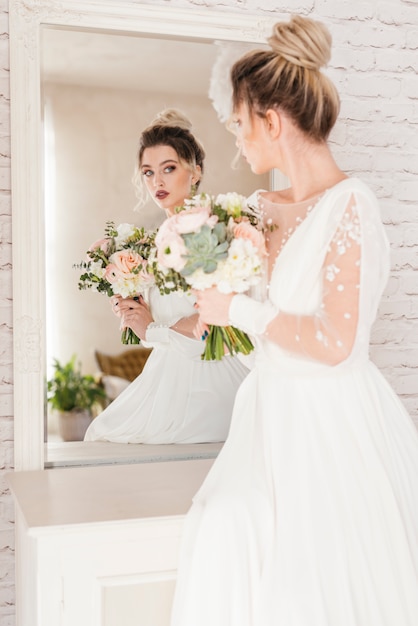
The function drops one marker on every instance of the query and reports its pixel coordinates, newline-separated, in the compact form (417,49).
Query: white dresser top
(84,495)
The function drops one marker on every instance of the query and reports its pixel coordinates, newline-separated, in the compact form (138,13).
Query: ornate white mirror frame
(27,17)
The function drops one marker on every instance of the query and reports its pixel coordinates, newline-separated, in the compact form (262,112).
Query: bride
(177,398)
(309,515)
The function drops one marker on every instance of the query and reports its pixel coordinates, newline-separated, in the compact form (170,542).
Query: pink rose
(171,251)
(191,220)
(122,265)
(170,245)
(112,273)
(244,230)
(102,244)
(166,231)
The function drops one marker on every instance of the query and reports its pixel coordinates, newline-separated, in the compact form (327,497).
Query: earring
(193,190)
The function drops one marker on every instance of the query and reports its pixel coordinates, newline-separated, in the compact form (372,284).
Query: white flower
(128,287)
(200,280)
(124,232)
(203,200)
(152,256)
(242,255)
(97,269)
(241,269)
(233,203)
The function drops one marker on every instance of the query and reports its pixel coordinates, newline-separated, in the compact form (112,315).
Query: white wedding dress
(309,515)
(177,398)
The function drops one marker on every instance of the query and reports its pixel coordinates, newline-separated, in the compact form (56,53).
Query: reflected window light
(51,252)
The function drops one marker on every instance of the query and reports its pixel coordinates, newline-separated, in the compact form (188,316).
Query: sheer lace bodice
(327,270)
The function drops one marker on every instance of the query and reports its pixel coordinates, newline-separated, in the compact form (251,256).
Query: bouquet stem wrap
(129,338)
(226,339)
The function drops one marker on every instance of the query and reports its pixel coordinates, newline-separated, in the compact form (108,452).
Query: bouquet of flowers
(118,264)
(212,241)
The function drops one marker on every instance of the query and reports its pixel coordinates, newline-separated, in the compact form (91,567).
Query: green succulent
(205,249)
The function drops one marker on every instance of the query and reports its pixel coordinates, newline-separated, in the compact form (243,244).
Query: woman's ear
(197,174)
(273,123)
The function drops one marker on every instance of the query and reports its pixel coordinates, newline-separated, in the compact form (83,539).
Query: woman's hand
(213,306)
(200,330)
(114,302)
(134,314)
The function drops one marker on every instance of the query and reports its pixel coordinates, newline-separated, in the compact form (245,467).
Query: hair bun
(172,117)
(303,42)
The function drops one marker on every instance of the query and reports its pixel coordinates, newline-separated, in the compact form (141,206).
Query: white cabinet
(98,546)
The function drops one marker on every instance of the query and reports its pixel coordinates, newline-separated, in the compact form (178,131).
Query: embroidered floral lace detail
(287,233)
(331,272)
(328,334)
(348,232)
(279,231)
(336,324)
(321,337)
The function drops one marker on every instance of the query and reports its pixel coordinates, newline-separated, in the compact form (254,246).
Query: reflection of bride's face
(167,180)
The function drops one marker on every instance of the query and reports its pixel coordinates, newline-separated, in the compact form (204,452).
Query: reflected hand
(114,302)
(134,314)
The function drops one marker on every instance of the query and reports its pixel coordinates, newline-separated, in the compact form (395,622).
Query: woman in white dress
(309,515)
(178,398)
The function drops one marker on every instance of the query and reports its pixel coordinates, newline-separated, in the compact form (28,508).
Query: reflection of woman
(309,516)
(178,398)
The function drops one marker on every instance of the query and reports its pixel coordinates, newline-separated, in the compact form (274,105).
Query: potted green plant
(74,396)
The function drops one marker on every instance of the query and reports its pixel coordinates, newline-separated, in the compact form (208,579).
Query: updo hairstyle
(170,128)
(288,77)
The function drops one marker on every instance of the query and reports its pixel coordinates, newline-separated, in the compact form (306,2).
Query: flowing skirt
(177,398)
(309,516)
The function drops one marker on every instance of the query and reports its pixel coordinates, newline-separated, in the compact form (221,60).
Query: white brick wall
(375,66)
(6,353)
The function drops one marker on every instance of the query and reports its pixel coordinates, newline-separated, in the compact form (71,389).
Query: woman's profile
(177,398)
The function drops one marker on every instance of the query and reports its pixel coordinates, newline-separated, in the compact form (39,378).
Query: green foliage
(70,390)
(168,280)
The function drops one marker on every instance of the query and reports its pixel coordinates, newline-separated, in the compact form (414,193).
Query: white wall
(375,68)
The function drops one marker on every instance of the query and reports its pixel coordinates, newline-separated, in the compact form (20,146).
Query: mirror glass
(99,89)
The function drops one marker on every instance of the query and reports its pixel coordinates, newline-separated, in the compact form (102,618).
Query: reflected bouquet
(118,264)
(212,241)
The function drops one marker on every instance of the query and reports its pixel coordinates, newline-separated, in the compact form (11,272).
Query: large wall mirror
(85,80)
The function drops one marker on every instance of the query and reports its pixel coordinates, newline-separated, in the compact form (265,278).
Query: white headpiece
(220,89)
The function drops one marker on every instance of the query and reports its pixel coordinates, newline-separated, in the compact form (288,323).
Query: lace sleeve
(328,335)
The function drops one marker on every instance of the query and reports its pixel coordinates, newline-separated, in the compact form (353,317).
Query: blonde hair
(169,128)
(288,77)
